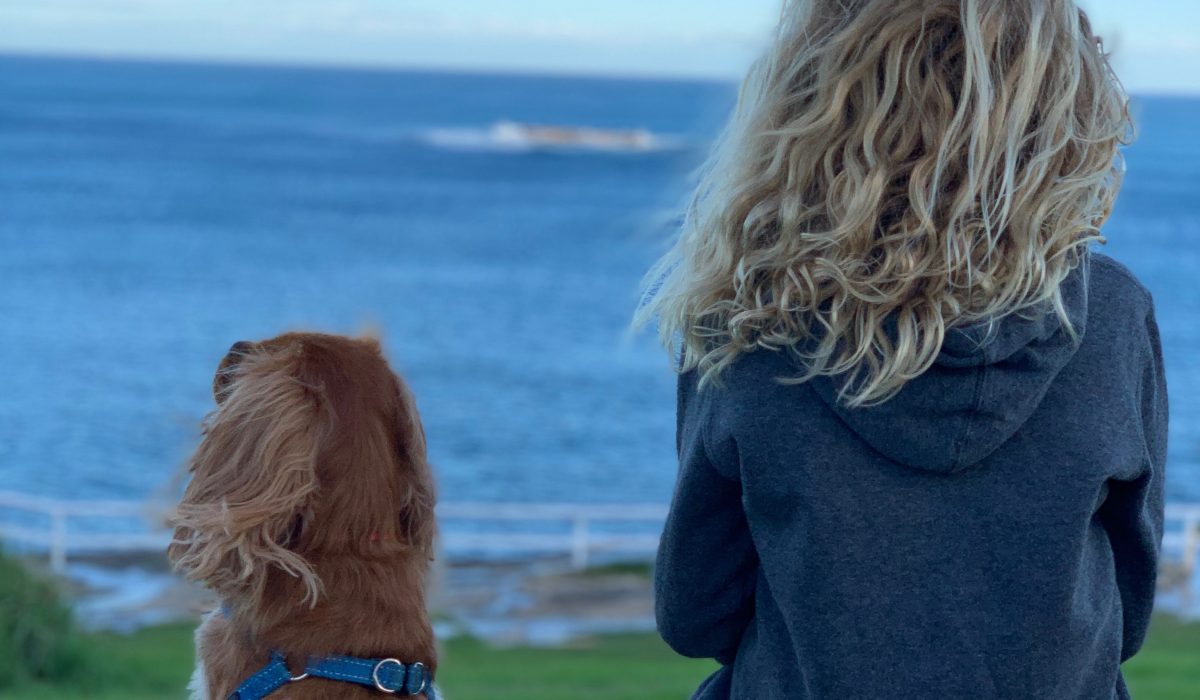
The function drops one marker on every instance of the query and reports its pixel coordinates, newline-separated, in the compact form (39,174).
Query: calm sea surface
(150,215)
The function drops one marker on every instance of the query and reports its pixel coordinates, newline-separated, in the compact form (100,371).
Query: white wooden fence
(58,539)
(577,530)
(1182,537)
(580,540)
(487,529)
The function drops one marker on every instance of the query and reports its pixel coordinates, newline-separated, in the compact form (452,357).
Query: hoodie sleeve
(1133,512)
(707,566)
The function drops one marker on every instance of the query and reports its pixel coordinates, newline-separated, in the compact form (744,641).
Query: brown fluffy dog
(310,513)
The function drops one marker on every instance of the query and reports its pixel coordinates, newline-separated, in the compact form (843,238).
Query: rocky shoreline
(538,601)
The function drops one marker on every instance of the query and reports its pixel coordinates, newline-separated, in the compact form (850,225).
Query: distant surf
(514,137)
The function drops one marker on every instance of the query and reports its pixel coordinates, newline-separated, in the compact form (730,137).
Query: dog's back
(310,513)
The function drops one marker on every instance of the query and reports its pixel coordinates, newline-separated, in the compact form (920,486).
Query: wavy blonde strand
(895,169)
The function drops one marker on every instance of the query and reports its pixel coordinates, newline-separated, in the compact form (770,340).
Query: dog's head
(315,450)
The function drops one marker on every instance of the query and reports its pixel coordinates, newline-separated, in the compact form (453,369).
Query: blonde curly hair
(895,169)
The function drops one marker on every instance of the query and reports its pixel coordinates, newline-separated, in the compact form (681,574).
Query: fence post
(1191,543)
(579,542)
(58,540)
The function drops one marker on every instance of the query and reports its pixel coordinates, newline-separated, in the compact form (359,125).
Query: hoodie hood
(978,393)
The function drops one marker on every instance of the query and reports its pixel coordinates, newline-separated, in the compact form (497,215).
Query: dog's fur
(310,513)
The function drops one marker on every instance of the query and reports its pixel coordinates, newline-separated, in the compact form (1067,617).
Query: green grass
(637,667)
(38,638)
(154,664)
(1168,667)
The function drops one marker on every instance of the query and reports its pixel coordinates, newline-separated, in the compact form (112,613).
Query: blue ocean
(153,214)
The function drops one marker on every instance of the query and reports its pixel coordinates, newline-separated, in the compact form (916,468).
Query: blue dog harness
(385,675)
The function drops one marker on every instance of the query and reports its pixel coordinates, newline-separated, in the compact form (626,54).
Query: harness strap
(270,678)
(388,676)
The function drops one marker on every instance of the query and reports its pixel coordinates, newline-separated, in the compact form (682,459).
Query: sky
(1157,43)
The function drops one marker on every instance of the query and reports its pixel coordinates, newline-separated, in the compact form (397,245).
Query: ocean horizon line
(366,67)
(283,64)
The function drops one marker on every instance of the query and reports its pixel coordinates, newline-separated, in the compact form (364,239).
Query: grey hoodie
(991,532)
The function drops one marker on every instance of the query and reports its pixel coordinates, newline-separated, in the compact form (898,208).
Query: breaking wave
(512,137)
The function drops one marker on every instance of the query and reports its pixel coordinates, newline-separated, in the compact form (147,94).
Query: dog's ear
(227,371)
(417,519)
(252,477)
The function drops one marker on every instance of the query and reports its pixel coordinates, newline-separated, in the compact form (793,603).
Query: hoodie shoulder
(1122,330)
(1111,281)
(1120,306)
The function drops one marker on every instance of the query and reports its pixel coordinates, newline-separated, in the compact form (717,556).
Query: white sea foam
(512,137)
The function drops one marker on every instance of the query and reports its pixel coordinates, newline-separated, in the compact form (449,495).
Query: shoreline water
(542,602)
(534,602)
(174,211)
(486,581)
(531,601)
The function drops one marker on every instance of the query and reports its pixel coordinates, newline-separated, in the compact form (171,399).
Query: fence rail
(577,530)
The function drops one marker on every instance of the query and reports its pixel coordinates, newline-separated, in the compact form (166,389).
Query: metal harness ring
(424,678)
(375,676)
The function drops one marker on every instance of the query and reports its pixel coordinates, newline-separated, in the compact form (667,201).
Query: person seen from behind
(922,422)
